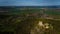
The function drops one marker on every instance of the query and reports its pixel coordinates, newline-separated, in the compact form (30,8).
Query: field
(23,20)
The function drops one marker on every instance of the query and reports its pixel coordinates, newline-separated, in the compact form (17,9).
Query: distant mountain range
(30,6)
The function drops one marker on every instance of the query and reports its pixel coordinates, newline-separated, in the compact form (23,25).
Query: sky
(29,2)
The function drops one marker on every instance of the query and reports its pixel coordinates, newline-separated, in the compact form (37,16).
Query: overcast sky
(29,2)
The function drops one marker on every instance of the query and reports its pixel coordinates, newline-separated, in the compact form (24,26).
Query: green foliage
(25,24)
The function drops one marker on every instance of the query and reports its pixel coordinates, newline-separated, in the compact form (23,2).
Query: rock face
(42,29)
